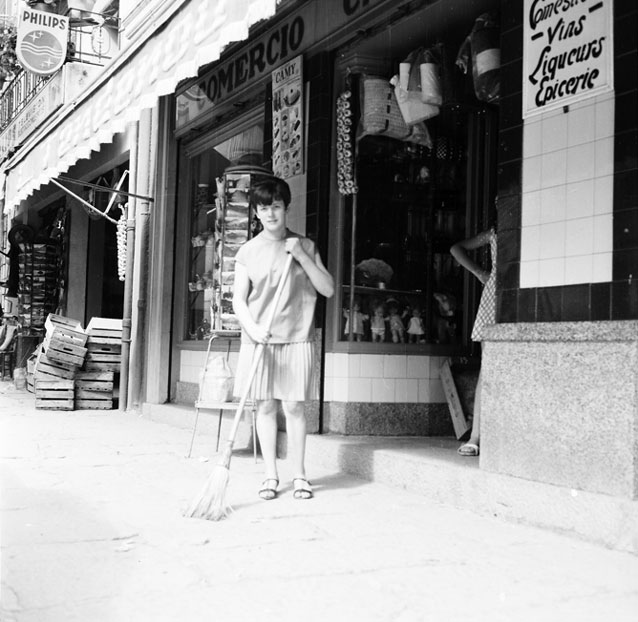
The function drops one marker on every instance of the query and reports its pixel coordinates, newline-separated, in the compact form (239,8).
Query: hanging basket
(380,113)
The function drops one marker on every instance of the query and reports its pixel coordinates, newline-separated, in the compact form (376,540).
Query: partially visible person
(485,315)
(286,372)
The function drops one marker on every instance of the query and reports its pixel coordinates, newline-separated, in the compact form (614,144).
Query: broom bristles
(211,502)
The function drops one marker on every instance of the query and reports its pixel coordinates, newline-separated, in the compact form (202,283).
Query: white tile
(328,370)
(395,366)
(529,274)
(531,174)
(383,390)
(604,194)
(604,157)
(360,390)
(579,199)
(354,365)
(603,234)
(424,391)
(435,366)
(551,240)
(605,113)
(340,365)
(579,237)
(437,394)
(553,204)
(602,267)
(580,162)
(340,390)
(578,269)
(580,125)
(554,168)
(531,139)
(371,366)
(551,272)
(554,133)
(531,208)
(328,390)
(530,243)
(406,390)
(418,367)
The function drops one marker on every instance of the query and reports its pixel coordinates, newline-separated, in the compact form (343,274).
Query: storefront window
(246,147)
(410,208)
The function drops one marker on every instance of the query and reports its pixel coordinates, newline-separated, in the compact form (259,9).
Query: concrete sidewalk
(92,531)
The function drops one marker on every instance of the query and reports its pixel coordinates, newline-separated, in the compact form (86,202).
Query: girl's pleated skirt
(285,372)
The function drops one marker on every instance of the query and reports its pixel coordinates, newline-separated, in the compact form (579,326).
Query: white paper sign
(287,119)
(568,52)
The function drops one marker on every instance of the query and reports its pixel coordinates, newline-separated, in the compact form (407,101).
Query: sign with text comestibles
(287,119)
(42,40)
(568,52)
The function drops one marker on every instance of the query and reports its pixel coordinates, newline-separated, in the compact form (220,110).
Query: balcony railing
(91,42)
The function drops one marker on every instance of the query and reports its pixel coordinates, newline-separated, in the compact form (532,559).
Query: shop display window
(410,209)
(210,191)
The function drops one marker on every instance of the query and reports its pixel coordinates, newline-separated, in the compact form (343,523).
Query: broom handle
(258,354)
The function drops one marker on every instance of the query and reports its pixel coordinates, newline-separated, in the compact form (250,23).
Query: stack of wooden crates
(76,368)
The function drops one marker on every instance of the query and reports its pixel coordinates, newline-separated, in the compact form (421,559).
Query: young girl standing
(286,372)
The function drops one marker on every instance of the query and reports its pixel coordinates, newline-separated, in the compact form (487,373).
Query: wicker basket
(380,113)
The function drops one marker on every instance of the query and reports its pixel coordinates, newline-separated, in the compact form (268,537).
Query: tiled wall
(568,184)
(383,378)
(567,195)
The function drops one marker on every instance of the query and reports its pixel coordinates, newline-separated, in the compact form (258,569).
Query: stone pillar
(560,404)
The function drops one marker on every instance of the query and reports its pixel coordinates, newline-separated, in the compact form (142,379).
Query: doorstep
(430,466)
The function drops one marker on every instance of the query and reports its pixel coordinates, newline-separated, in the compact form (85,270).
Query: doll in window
(358,318)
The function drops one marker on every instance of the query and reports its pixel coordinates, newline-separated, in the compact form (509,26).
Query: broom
(211,502)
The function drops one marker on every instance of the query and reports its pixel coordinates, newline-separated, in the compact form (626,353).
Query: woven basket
(380,110)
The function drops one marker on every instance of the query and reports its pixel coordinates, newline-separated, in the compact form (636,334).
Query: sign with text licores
(287,119)
(42,41)
(567,52)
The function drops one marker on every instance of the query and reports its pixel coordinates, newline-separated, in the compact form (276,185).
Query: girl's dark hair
(275,189)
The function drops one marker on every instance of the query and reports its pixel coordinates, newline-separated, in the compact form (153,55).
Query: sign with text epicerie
(568,52)
(41,44)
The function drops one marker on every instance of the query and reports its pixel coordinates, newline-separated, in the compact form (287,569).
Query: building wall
(559,400)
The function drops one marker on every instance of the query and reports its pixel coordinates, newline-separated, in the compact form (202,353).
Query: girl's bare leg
(267,433)
(296,429)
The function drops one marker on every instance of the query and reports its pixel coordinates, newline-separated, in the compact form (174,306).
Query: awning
(192,36)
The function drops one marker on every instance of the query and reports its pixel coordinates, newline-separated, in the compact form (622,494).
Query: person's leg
(296,430)
(267,433)
(471,448)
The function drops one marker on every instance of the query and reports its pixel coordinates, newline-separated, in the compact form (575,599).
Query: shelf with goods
(220,228)
(410,211)
(39,285)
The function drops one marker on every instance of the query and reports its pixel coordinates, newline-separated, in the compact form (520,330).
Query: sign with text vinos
(41,44)
(568,52)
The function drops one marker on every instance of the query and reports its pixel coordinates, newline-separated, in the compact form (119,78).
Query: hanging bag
(380,113)
(216,381)
(481,50)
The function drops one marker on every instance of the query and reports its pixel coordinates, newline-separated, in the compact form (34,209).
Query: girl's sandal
(268,492)
(302,487)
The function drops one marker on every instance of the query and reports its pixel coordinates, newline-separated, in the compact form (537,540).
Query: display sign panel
(287,119)
(568,52)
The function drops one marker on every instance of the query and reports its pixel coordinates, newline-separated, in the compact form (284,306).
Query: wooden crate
(104,345)
(64,352)
(101,327)
(48,369)
(96,381)
(54,394)
(59,321)
(66,335)
(99,361)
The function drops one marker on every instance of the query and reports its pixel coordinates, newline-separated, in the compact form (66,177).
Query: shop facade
(564,176)
(418,194)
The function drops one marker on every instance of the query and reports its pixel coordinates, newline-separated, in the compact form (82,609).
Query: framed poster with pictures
(287,119)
